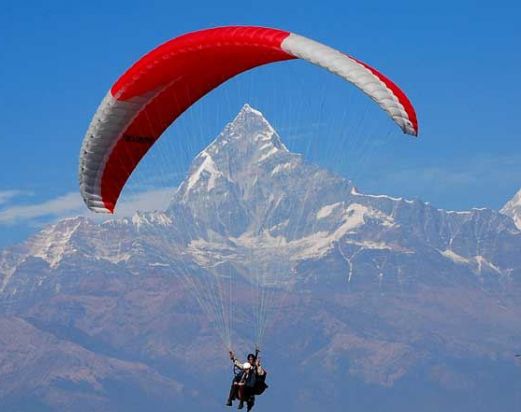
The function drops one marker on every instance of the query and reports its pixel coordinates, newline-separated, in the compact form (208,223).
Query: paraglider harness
(256,383)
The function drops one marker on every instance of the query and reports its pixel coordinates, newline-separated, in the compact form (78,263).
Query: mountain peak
(513,209)
(247,143)
(251,125)
(246,108)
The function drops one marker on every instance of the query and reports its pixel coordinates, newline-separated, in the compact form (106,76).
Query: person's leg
(233,394)
(250,403)
(241,395)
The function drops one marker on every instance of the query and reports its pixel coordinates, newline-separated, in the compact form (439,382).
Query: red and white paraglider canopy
(160,86)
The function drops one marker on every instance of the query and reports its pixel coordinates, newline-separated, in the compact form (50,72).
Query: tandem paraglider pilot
(249,380)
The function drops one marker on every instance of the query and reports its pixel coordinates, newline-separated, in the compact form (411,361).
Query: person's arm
(235,361)
(259,370)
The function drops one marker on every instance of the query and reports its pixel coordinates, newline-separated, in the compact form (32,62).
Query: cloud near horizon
(7,195)
(480,181)
(71,204)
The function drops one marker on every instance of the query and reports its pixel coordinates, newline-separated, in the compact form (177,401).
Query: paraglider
(160,86)
(164,83)
(249,380)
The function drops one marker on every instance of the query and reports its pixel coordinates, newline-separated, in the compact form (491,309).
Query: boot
(250,404)
(241,405)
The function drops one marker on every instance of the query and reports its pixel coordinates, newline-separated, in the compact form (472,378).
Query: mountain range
(378,303)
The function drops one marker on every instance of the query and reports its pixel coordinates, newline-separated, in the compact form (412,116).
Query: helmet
(246,365)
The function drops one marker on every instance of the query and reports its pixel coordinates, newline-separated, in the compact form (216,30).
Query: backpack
(260,384)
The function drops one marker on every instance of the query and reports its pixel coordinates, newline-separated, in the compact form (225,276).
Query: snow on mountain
(248,198)
(326,210)
(248,189)
(80,240)
(238,185)
(207,166)
(51,245)
(54,242)
(254,141)
(513,209)
(151,218)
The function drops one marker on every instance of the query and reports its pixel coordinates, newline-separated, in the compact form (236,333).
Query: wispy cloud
(57,207)
(7,195)
(472,171)
(485,180)
(71,204)
(149,200)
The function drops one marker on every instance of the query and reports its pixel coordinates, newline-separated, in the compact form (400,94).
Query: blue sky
(459,63)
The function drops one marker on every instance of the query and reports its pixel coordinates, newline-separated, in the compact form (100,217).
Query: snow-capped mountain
(390,284)
(246,194)
(513,209)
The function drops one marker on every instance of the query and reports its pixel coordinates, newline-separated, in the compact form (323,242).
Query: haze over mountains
(394,304)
